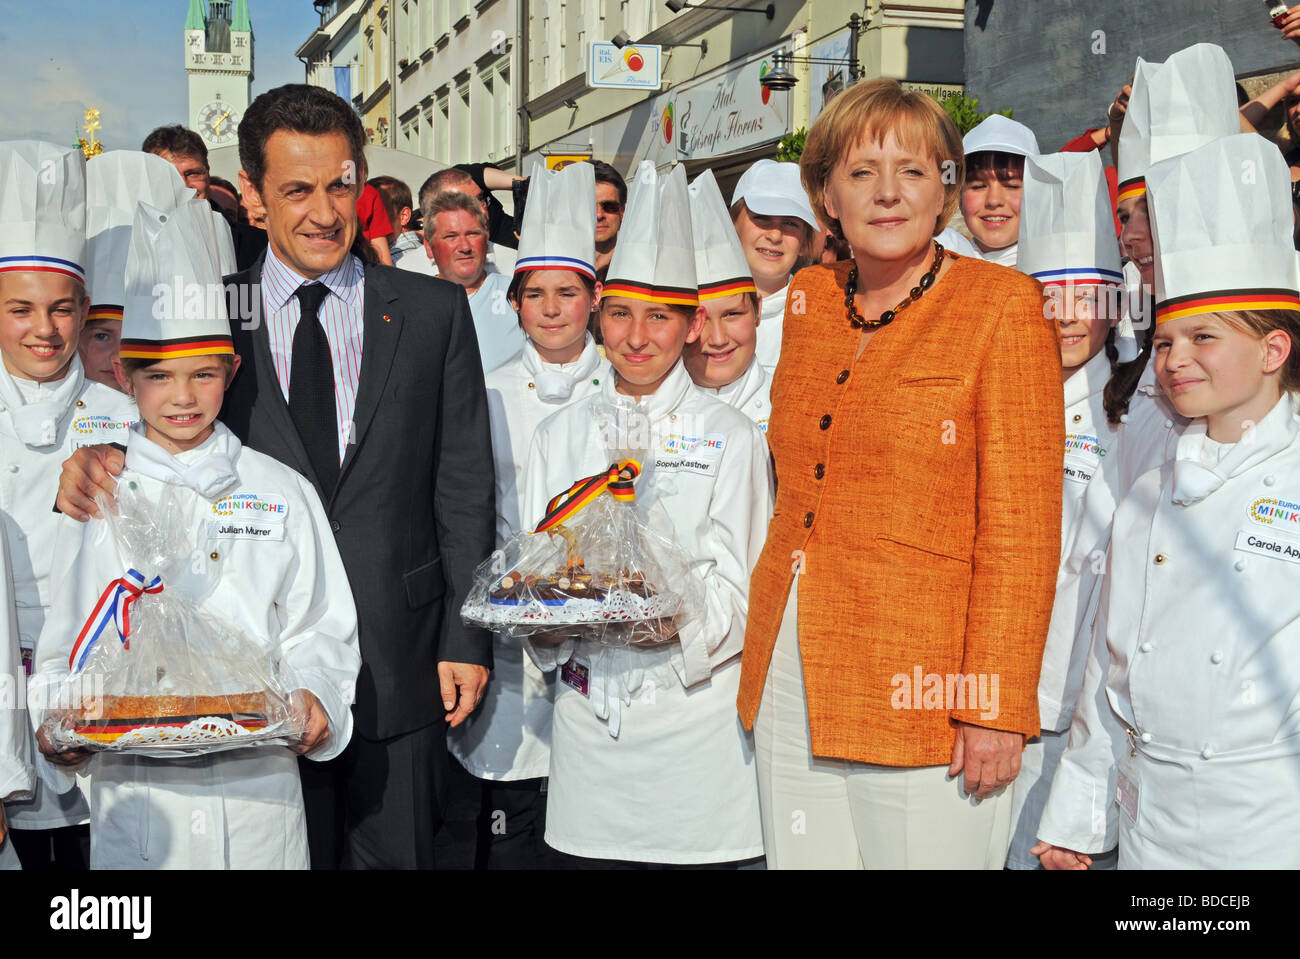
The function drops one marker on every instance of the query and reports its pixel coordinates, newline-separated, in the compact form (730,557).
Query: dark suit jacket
(413,511)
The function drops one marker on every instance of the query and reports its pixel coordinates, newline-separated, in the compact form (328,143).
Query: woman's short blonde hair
(872,109)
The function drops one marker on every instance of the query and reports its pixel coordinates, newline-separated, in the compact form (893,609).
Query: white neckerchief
(208,469)
(745,387)
(554,382)
(1003,257)
(1088,379)
(37,409)
(676,386)
(1194,479)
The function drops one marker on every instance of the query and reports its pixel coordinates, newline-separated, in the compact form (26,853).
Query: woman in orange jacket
(899,609)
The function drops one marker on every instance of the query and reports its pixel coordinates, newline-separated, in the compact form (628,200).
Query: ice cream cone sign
(632,60)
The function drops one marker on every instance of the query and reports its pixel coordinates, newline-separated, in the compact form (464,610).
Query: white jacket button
(1239,565)
(1270,480)
(1216,657)
(1207,753)
(1146,647)
(1123,417)
(1169,424)
(1146,737)
(13,467)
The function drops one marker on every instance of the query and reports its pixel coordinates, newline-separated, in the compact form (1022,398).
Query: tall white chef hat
(559,228)
(720,266)
(1067,230)
(1175,107)
(654,259)
(42,209)
(1221,226)
(175,303)
(116,182)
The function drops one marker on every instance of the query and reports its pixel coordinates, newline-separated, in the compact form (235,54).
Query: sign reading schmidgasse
(731,111)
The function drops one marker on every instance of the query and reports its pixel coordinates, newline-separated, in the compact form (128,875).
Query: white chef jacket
(17,779)
(1087,508)
(1200,660)
(509,736)
(751,393)
(1148,432)
(771,317)
(495,322)
(80,413)
(652,764)
(286,590)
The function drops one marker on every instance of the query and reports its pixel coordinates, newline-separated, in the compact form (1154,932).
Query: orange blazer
(919,501)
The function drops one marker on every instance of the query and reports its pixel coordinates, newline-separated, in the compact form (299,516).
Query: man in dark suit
(367,380)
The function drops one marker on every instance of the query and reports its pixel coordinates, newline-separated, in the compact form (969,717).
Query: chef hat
(42,209)
(175,303)
(1067,229)
(1175,107)
(559,228)
(654,259)
(1221,225)
(1000,134)
(720,266)
(116,182)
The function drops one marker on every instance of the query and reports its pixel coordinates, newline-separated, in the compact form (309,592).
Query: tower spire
(241,20)
(195,19)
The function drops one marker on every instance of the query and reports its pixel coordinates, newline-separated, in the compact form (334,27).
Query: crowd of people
(983,484)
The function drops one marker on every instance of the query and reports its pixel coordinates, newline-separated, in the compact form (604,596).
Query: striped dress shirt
(341,317)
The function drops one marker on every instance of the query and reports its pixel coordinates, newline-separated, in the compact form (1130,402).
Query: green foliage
(791,146)
(965,111)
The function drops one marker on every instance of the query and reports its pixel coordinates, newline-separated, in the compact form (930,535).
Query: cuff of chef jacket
(337,703)
(1081,813)
(696,664)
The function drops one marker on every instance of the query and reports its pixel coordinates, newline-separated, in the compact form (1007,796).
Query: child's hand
(1058,857)
(310,714)
(60,757)
(88,473)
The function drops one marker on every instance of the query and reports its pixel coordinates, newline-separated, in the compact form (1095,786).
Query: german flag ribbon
(617,481)
(113,609)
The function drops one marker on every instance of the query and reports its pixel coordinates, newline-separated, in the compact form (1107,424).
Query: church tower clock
(219,61)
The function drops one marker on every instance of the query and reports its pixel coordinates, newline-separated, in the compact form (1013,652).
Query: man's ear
(251,195)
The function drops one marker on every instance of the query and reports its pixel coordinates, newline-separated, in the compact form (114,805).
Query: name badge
(1078,472)
(246,529)
(1274,547)
(693,454)
(575,674)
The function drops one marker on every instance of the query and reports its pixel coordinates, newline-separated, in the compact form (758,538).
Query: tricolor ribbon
(617,480)
(113,609)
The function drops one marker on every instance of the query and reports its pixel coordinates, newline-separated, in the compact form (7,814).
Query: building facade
(332,54)
(219,63)
(1059,65)
(711,109)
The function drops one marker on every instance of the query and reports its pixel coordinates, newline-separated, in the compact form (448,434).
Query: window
(442,128)
(460,125)
(496,108)
(438,19)
(426,133)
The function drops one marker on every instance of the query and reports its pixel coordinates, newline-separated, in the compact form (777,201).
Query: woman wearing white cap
(48,408)
(648,760)
(1174,107)
(1067,243)
(990,198)
(776,226)
(723,360)
(506,742)
(1187,714)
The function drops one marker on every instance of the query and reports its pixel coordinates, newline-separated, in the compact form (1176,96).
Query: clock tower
(219,61)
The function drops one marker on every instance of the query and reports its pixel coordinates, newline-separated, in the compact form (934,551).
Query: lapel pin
(387,318)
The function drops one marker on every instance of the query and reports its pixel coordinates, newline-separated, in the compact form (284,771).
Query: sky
(126,58)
